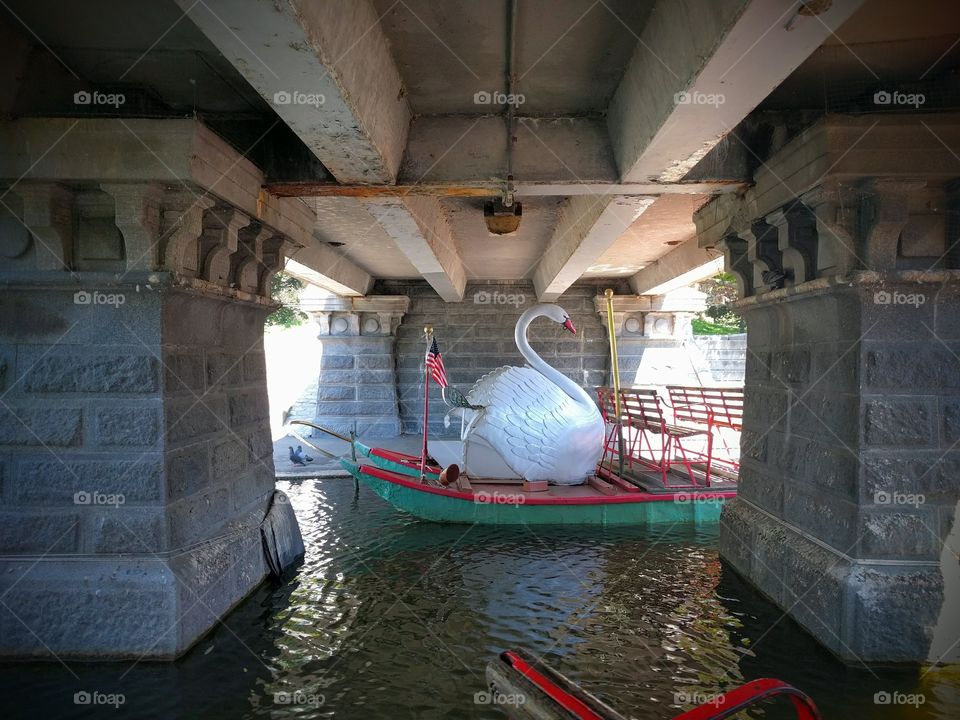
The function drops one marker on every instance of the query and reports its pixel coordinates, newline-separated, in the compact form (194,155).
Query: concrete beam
(697,71)
(473,188)
(685,264)
(326,69)
(587,227)
(421,231)
(324,267)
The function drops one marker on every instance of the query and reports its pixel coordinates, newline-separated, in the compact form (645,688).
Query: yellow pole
(615,371)
(614,363)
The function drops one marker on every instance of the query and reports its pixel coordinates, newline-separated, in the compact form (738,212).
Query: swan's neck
(576,393)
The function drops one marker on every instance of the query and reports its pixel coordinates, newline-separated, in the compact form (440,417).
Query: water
(393,618)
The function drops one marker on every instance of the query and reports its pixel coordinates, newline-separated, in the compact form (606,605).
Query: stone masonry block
(224,369)
(228,458)
(337,392)
(123,530)
(43,426)
(127,426)
(254,367)
(189,417)
(38,533)
(375,362)
(127,373)
(899,423)
(915,369)
(336,362)
(899,532)
(188,470)
(184,373)
(791,366)
(44,480)
(197,517)
(248,407)
(377,392)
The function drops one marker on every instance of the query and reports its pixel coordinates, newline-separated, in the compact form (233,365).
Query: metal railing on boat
(523,686)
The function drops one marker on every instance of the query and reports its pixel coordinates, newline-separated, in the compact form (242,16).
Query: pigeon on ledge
(297,457)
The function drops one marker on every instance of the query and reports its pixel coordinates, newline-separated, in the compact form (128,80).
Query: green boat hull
(446,508)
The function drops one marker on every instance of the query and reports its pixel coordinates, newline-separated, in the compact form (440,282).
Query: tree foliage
(286,290)
(719,318)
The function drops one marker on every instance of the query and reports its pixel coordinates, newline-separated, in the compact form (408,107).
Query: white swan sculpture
(542,424)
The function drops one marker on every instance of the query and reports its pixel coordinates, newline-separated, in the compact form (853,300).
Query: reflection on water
(393,618)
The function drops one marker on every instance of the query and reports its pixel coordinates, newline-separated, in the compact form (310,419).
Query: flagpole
(428,333)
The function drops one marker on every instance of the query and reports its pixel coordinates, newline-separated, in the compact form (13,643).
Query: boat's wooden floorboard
(678,480)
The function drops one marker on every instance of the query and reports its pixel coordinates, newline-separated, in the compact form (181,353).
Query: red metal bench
(650,441)
(713,408)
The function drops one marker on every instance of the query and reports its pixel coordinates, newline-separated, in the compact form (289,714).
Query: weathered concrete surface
(326,69)
(419,227)
(586,228)
(698,71)
(684,265)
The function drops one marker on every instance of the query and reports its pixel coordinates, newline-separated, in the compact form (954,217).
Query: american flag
(435,364)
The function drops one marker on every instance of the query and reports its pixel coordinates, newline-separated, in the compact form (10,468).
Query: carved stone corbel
(219,241)
(797,241)
(274,253)
(884,213)
(736,262)
(248,260)
(48,213)
(836,210)
(763,251)
(137,216)
(181,227)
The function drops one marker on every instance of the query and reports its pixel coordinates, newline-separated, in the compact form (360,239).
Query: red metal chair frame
(711,407)
(644,412)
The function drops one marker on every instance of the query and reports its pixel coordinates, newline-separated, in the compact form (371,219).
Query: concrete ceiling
(570,54)
(600,120)
(663,226)
(347,224)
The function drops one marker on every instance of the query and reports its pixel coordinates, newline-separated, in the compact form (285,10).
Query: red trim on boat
(738,699)
(510,498)
(554,691)
(403,459)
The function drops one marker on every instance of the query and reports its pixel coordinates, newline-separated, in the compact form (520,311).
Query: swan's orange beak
(568,324)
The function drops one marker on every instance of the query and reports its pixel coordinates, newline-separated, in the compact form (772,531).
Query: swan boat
(530,444)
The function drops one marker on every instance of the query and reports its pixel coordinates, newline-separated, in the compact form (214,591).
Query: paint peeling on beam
(313,189)
(316,189)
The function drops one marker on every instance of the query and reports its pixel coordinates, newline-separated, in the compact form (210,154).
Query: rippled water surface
(393,618)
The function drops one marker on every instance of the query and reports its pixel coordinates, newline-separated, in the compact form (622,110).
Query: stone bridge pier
(135,452)
(850,475)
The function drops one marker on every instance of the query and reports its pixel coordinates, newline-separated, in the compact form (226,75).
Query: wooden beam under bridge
(328,189)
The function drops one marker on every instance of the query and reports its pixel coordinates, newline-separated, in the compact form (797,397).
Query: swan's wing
(481,392)
(528,411)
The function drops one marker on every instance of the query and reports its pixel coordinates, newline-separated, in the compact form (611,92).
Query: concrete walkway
(322,466)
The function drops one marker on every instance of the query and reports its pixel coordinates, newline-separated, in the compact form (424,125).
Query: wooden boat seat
(651,441)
